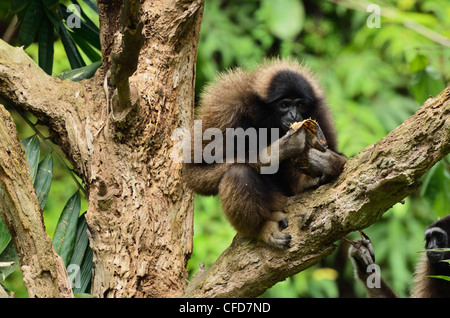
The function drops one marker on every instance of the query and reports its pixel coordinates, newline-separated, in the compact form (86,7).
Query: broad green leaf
(91,4)
(418,63)
(17,5)
(43,180)
(81,242)
(30,24)
(83,295)
(85,272)
(425,80)
(90,52)
(52,16)
(81,73)
(32,152)
(9,258)
(50,4)
(88,31)
(74,56)
(82,258)
(5,238)
(66,229)
(91,24)
(447,278)
(45,39)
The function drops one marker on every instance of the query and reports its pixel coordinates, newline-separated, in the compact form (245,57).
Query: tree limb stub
(43,270)
(124,56)
(373,181)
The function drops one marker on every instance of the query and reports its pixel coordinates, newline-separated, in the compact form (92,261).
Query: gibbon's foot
(272,235)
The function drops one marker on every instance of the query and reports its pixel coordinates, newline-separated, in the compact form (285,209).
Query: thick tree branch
(43,270)
(373,181)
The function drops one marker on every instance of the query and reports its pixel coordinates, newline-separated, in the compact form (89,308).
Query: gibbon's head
(437,236)
(290,90)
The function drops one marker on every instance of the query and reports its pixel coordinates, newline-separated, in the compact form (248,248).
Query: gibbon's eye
(283,106)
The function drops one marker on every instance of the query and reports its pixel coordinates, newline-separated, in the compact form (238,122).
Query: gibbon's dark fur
(436,236)
(252,202)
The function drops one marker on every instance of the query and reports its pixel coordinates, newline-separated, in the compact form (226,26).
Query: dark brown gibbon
(433,263)
(267,99)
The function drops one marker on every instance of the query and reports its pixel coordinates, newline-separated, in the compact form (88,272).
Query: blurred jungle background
(378,62)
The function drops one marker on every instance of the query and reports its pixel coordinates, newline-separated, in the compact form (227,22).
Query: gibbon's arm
(326,164)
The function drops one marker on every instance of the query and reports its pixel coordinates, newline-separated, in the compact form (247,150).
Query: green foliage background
(374,79)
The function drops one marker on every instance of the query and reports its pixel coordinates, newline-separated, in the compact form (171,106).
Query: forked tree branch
(62,105)
(373,181)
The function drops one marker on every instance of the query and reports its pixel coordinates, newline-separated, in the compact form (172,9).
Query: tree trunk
(140,214)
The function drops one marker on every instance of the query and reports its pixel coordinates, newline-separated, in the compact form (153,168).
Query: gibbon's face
(290,111)
(291,98)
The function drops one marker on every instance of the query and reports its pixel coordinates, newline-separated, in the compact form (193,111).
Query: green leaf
(17,5)
(5,238)
(447,278)
(74,56)
(85,17)
(50,4)
(82,257)
(32,19)
(83,295)
(91,4)
(284,18)
(418,63)
(81,73)
(32,152)
(91,53)
(81,242)
(66,229)
(425,80)
(43,180)
(52,16)
(87,30)
(45,39)
(85,272)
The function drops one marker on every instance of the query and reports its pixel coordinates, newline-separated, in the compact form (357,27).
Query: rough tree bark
(140,214)
(116,131)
